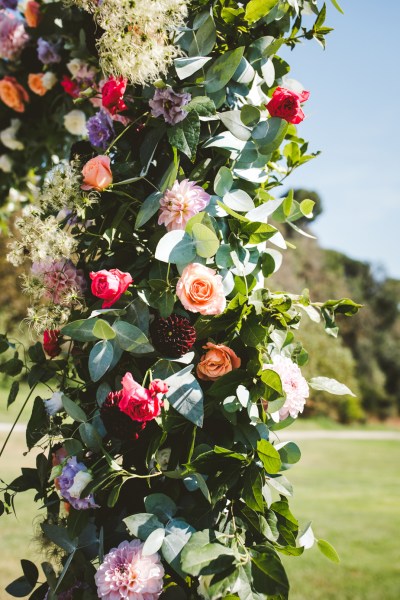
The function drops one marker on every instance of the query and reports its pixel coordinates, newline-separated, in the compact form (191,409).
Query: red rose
(139,403)
(70,87)
(113,94)
(109,285)
(51,342)
(286,105)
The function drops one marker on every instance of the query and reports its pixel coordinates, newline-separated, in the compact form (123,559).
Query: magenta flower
(13,37)
(126,573)
(294,385)
(184,200)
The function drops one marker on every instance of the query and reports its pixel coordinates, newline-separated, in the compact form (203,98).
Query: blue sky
(353,116)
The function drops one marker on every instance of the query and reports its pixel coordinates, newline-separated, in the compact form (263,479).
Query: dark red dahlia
(173,336)
(117,423)
(51,342)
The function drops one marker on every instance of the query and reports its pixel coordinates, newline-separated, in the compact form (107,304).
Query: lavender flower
(48,52)
(13,36)
(8,4)
(72,481)
(100,129)
(168,104)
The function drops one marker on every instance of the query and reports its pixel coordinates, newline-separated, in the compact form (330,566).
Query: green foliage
(218,512)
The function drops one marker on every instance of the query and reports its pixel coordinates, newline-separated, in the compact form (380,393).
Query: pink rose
(285,104)
(97,174)
(139,403)
(109,285)
(158,386)
(217,361)
(200,290)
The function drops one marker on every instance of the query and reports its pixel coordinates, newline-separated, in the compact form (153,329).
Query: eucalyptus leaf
(176,247)
(185,67)
(148,209)
(222,69)
(326,384)
(100,358)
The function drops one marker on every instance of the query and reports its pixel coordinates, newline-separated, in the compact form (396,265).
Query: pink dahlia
(184,200)
(60,280)
(294,385)
(126,573)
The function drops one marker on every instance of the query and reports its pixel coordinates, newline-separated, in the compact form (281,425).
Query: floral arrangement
(171,367)
(47,58)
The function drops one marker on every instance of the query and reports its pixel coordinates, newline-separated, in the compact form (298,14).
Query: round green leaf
(206,242)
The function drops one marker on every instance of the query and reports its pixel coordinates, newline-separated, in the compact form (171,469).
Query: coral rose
(13,94)
(286,105)
(109,285)
(32,13)
(35,82)
(97,174)
(217,361)
(200,290)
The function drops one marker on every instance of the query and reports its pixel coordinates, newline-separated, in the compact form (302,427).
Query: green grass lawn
(349,489)
(351,492)
(7,415)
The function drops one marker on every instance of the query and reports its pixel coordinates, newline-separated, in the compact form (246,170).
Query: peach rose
(200,290)
(35,82)
(97,174)
(32,13)
(217,361)
(13,94)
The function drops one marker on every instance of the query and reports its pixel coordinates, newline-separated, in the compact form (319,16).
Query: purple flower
(100,129)
(48,52)
(13,36)
(168,104)
(72,481)
(8,4)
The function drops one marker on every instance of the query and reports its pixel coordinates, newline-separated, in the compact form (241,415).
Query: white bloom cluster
(75,122)
(39,239)
(136,43)
(62,190)
(8,136)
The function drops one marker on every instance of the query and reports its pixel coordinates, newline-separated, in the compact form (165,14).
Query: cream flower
(75,122)
(8,136)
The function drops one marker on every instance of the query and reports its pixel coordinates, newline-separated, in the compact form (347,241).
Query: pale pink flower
(13,37)
(60,280)
(294,385)
(126,573)
(200,290)
(184,200)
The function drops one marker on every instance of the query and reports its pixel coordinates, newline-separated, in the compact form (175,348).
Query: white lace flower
(6,163)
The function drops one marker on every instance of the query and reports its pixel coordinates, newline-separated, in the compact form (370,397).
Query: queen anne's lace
(136,42)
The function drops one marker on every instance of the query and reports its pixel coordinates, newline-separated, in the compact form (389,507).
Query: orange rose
(35,82)
(97,174)
(13,94)
(217,361)
(32,13)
